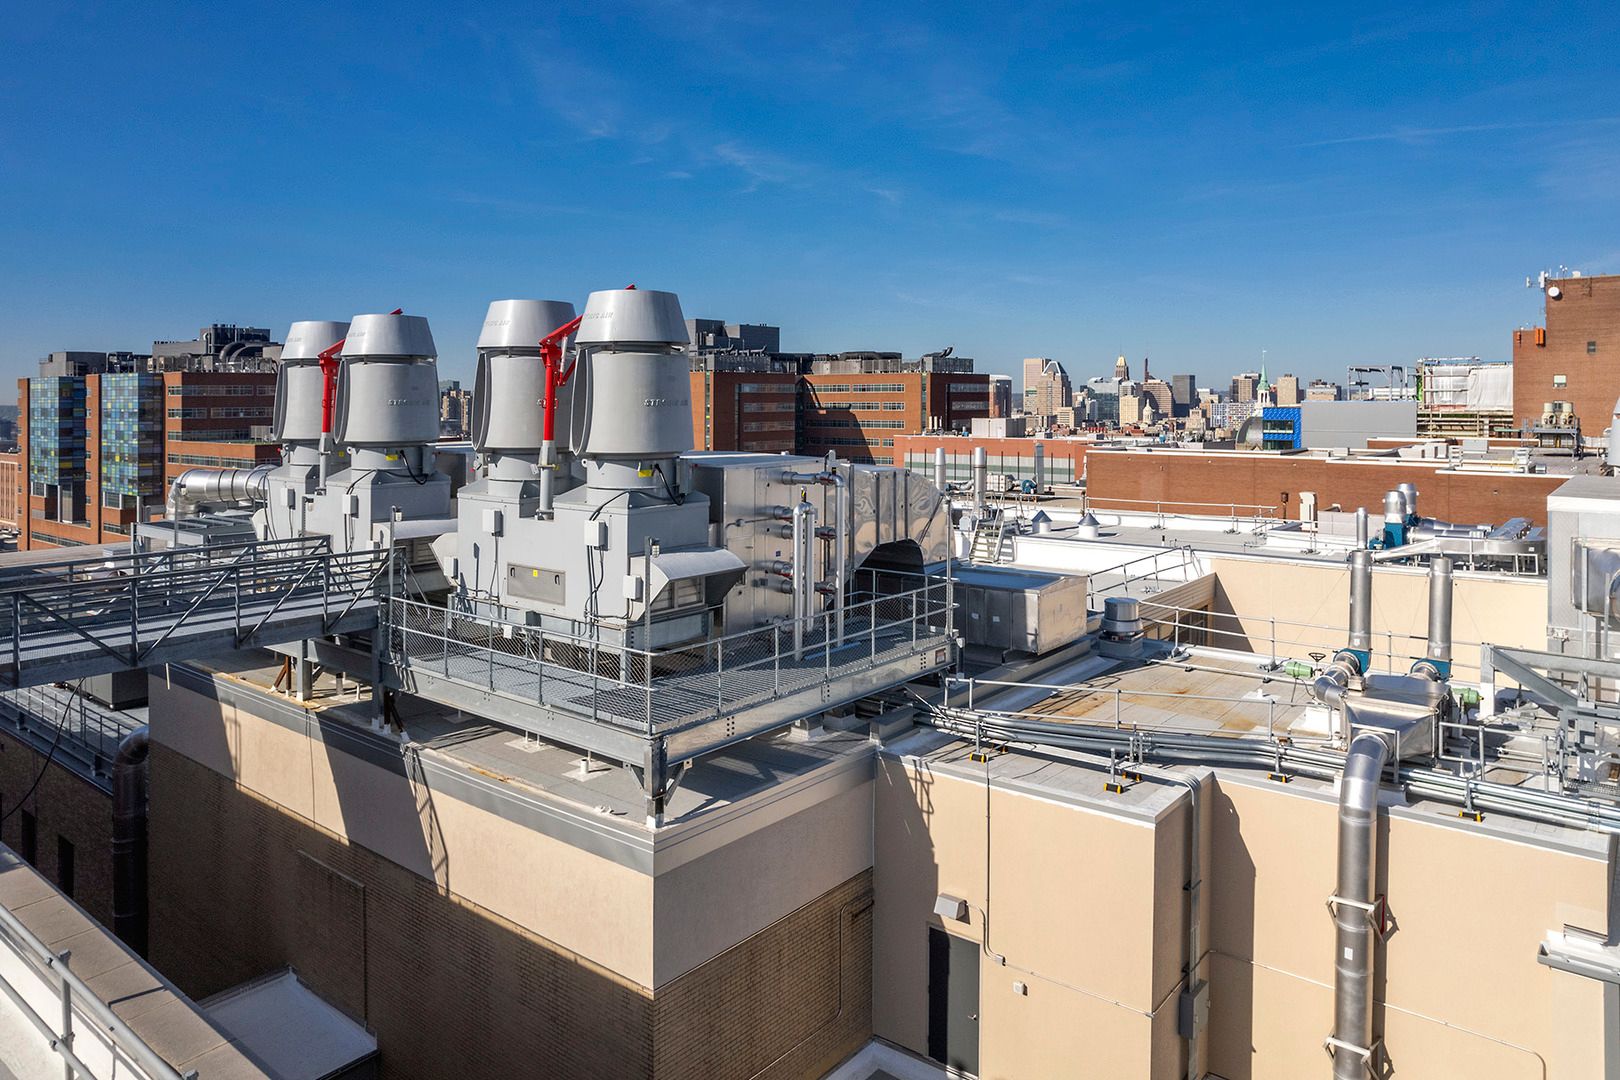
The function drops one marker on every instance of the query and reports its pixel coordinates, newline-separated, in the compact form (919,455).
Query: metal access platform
(655,710)
(80,617)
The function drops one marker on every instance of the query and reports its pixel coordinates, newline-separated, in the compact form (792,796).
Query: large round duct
(300,386)
(629,317)
(388,388)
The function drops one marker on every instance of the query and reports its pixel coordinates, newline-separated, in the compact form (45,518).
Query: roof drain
(129,839)
(1356,910)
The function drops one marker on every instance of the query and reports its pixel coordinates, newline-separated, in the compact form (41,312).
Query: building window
(64,865)
(1560,381)
(1591,347)
(28,842)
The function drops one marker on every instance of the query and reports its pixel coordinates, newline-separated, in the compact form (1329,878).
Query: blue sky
(1068,181)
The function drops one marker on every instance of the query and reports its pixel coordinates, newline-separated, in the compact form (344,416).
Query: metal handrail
(76,994)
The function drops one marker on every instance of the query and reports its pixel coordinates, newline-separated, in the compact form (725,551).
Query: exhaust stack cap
(308,339)
(405,336)
(520,324)
(632,317)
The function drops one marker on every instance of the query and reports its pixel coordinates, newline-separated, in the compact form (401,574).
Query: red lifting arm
(551,355)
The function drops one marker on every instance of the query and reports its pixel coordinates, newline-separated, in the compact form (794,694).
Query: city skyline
(1331,188)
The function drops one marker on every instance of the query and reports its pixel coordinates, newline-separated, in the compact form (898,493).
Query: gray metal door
(953,1000)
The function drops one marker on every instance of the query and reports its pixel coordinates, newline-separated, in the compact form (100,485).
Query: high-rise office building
(1046,388)
(1245,386)
(1288,391)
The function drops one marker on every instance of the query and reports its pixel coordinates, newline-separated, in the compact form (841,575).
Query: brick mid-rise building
(98,451)
(1574,357)
(861,415)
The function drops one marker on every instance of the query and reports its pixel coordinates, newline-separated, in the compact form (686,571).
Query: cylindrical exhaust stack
(1361,607)
(1437,659)
(300,388)
(939,469)
(1040,468)
(1394,518)
(1361,527)
(981,478)
(510,385)
(640,418)
(388,393)
(1409,492)
(1355,934)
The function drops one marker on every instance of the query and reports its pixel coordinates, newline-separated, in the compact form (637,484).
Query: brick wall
(241,887)
(1587,310)
(64,806)
(793,1000)
(1210,482)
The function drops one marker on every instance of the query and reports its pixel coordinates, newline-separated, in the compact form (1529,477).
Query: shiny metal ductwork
(1407,709)
(1436,664)
(197,488)
(1357,911)
(981,479)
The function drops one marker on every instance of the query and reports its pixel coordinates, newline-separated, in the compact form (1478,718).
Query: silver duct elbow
(1353,907)
(1330,686)
(205,487)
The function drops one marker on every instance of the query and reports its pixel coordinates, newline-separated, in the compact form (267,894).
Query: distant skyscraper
(1245,386)
(1288,392)
(1183,394)
(1122,370)
(1322,390)
(1046,387)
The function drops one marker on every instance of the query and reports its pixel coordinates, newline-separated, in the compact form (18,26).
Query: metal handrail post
(776,658)
(67,1015)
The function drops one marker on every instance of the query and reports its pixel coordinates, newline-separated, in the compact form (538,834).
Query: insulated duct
(1437,660)
(1354,908)
(129,840)
(1361,606)
(207,487)
(981,478)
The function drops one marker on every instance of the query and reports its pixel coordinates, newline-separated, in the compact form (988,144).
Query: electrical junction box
(493,520)
(596,535)
(632,586)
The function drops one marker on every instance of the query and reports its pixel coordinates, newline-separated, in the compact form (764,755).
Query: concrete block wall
(64,805)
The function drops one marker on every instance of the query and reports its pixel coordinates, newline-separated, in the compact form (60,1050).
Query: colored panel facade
(1280,428)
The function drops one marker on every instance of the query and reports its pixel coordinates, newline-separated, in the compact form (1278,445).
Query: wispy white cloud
(1417,136)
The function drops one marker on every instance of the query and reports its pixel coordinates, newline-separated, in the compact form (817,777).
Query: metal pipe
(1040,468)
(197,487)
(939,469)
(840,489)
(1354,896)
(804,529)
(1361,601)
(1361,527)
(981,478)
(1440,594)
(129,839)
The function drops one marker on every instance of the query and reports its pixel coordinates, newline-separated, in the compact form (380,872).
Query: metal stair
(989,536)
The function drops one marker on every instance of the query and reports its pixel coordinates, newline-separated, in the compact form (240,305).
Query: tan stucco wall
(1084,906)
(1491,609)
(583,902)
(1463,993)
